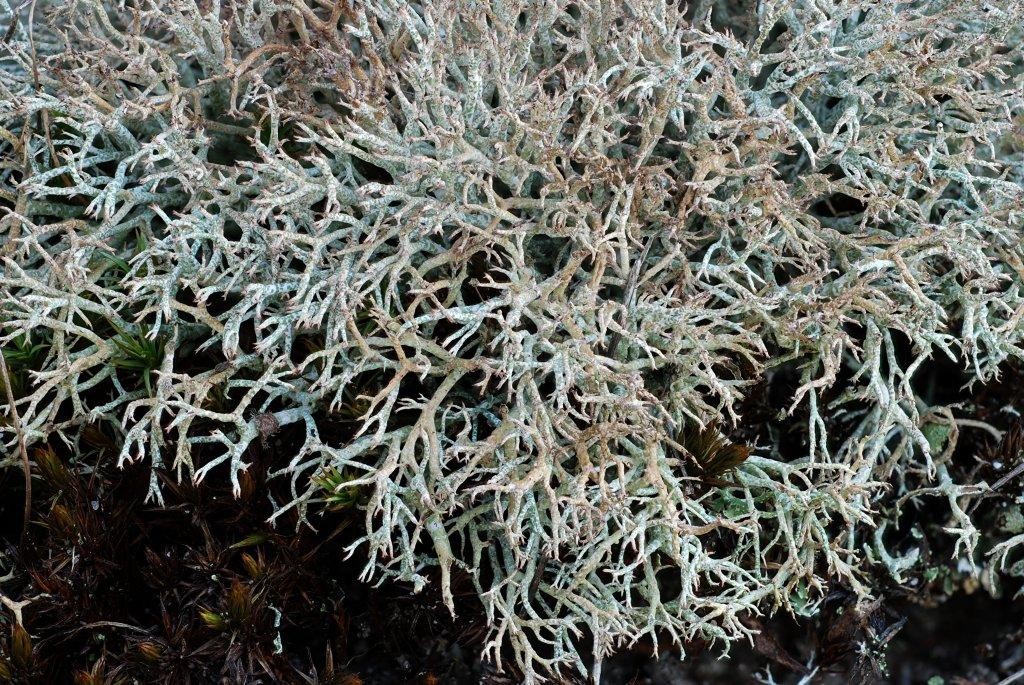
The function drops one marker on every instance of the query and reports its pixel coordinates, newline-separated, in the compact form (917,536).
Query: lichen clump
(484,263)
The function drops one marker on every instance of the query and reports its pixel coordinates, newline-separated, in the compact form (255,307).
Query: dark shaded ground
(971,639)
(203,591)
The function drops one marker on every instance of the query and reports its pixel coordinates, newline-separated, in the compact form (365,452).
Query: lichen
(490,258)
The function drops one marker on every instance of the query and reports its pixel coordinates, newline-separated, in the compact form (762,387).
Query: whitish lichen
(490,257)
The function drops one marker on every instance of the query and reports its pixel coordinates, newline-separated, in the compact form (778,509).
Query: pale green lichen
(529,241)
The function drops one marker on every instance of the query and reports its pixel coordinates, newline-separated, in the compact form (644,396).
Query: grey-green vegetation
(493,258)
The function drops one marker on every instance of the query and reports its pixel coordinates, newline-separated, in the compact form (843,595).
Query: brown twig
(1017,470)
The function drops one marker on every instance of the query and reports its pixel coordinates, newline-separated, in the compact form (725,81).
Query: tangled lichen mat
(633,320)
